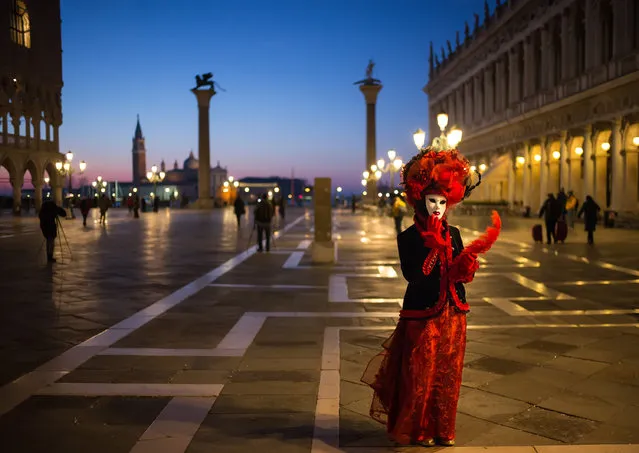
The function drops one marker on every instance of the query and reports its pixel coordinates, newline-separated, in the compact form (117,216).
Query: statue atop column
(206,80)
(369,80)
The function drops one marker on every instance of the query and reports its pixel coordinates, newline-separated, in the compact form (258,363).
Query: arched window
(20,24)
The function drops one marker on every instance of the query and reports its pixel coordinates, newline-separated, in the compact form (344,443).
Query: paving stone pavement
(166,334)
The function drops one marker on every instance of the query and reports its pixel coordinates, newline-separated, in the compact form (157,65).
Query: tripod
(66,242)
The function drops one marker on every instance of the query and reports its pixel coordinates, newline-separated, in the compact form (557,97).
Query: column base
(323,252)
(203,203)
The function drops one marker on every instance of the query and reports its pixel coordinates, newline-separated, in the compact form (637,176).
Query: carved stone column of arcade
(617,164)
(527,176)
(588,167)
(370,92)
(512,155)
(37,193)
(16,184)
(543,171)
(564,170)
(631,179)
(203,97)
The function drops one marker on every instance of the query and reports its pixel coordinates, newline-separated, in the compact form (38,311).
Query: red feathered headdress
(431,172)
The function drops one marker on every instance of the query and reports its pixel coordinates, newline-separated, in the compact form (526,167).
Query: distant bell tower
(139,155)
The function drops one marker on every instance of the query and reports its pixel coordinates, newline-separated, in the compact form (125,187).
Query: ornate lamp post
(66,169)
(155,177)
(444,141)
(99,185)
(394,165)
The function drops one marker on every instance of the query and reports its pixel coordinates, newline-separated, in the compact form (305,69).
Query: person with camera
(49,213)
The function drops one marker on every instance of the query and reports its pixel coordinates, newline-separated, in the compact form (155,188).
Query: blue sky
(288,69)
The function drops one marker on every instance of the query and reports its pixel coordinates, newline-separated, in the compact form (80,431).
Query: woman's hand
(464,267)
(433,237)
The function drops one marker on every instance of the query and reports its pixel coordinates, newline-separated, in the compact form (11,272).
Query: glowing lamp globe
(442,121)
(419,136)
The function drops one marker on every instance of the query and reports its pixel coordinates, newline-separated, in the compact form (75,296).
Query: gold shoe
(447,442)
(427,443)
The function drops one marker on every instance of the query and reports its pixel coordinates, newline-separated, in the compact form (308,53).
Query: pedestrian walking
(104,204)
(85,208)
(136,206)
(590,210)
(239,208)
(562,198)
(263,216)
(417,378)
(398,211)
(550,211)
(572,205)
(49,213)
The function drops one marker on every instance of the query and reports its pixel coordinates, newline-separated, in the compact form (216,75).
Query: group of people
(565,208)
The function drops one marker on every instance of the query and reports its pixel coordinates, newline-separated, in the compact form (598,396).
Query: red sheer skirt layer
(417,378)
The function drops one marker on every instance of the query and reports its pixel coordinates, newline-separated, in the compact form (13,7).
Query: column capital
(370,92)
(203,96)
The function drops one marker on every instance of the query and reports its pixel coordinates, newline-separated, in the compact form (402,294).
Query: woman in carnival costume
(417,377)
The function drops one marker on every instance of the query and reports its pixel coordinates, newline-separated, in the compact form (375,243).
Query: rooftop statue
(369,80)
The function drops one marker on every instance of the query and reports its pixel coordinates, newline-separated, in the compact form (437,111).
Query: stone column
(564,170)
(477,113)
(459,107)
(568,49)
(514,73)
(489,89)
(511,178)
(543,171)
(5,129)
(37,188)
(589,176)
(547,58)
(527,176)
(622,25)
(499,87)
(27,132)
(370,92)
(323,248)
(204,201)
(15,120)
(631,180)
(528,69)
(468,104)
(593,33)
(16,185)
(617,164)
(35,122)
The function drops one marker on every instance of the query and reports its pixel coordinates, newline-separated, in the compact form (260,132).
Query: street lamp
(444,141)
(99,185)
(155,177)
(66,169)
(394,165)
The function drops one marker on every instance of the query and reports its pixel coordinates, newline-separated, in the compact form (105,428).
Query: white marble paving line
(326,427)
(169,352)
(338,289)
(243,332)
(517,258)
(174,428)
(249,286)
(603,448)
(583,259)
(305,244)
(596,282)
(293,261)
(134,389)
(538,287)
(19,390)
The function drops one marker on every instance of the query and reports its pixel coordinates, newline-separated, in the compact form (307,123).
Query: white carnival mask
(436,205)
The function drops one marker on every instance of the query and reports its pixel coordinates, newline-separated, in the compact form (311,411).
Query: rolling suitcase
(561,231)
(537,233)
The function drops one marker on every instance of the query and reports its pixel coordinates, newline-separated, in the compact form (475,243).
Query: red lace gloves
(433,238)
(463,268)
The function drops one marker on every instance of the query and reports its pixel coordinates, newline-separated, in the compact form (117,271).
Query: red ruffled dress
(417,377)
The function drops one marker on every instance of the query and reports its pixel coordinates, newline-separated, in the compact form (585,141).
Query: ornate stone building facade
(30,94)
(547,95)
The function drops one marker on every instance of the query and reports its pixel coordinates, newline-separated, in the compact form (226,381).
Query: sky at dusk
(288,69)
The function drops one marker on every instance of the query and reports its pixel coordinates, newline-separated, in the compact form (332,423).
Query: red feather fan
(483,243)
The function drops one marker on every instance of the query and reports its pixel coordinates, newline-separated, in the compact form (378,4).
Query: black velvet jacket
(423,291)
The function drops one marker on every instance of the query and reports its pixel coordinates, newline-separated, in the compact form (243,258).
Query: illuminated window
(20,24)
